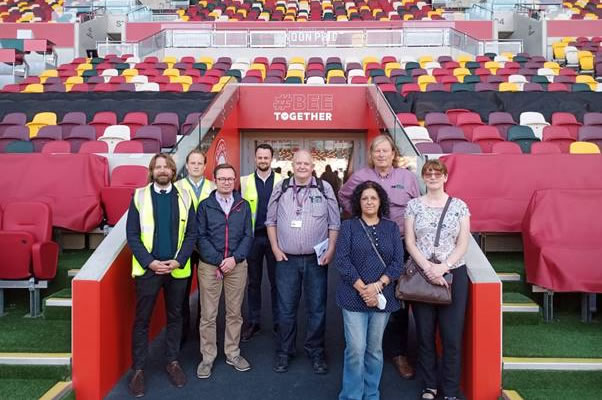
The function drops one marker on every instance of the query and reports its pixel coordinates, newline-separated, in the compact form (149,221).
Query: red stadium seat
(486,136)
(568,121)
(94,146)
(26,242)
(468,122)
(128,147)
(116,198)
(102,120)
(507,148)
(134,120)
(558,135)
(57,146)
(545,148)
(169,124)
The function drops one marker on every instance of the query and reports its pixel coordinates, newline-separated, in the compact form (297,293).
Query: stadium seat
(506,148)
(12,119)
(94,146)
(535,121)
(71,120)
(429,148)
(150,137)
(56,146)
(417,134)
(408,119)
(584,148)
(502,121)
(591,133)
(452,114)
(15,133)
(192,120)
(568,121)
(486,136)
(468,121)
(124,181)
(466,148)
(26,242)
(115,134)
(434,121)
(39,120)
(558,135)
(169,124)
(128,147)
(523,136)
(46,134)
(545,148)
(592,119)
(102,120)
(134,120)
(448,136)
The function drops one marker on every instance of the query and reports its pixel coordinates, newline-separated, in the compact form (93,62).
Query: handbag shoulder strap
(372,243)
(440,225)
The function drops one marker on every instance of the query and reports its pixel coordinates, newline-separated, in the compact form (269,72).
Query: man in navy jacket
(225,236)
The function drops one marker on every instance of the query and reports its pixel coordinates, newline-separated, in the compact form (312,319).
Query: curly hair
(356,208)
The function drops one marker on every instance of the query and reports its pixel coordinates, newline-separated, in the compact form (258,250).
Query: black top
(264,191)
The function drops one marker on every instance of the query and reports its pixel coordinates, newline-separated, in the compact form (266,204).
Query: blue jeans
(363,364)
(291,276)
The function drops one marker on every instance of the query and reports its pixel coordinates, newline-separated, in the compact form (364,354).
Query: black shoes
(249,332)
(319,365)
(281,364)
(136,384)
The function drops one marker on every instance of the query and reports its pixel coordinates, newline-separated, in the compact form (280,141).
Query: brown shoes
(175,374)
(403,366)
(136,384)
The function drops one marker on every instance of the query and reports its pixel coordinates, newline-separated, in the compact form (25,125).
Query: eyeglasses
(225,180)
(433,174)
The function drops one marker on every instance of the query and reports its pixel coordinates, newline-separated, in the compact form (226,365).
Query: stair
(58,305)
(519,308)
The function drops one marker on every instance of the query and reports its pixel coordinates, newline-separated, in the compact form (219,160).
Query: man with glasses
(224,241)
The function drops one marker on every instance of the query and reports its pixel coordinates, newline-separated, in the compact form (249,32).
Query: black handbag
(413,285)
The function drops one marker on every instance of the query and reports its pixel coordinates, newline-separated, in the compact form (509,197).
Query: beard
(163,179)
(263,167)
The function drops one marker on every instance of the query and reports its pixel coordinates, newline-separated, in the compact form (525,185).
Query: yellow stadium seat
(390,67)
(217,88)
(408,17)
(39,120)
(463,59)
(33,88)
(333,73)
(508,87)
(492,66)
(460,73)
(72,80)
(424,80)
(207,60)
(554,66)
(589,80)
(369,59)
(47,74)
(558,50)
(83,67)
(297,60)
(422,60)
(129,73)
(584,148)
(296,73)
(171,72)
(170,60)
(184,80)
(259,67)
(586,60)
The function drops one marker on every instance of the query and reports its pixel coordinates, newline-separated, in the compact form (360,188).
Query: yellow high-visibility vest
(208,187)
(249,192)
(144,204)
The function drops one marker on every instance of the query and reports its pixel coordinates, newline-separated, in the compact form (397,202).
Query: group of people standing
(294,224)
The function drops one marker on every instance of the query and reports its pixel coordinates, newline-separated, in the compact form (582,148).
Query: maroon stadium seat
(116,198)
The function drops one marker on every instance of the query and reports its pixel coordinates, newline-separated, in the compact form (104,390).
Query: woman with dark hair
(369,256)
(422,219)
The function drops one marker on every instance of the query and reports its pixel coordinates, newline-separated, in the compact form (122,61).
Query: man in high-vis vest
(256,188)
(161,232)
(199,188)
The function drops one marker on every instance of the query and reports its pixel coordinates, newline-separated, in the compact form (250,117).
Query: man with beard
(257,188)
(161,232)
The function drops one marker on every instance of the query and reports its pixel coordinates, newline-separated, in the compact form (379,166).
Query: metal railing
(297,38)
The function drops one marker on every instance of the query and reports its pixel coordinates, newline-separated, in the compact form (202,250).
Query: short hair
(171,164)
(265,146)
(356,207)
(434,165)
(223,166)
(197,151)
(378,140)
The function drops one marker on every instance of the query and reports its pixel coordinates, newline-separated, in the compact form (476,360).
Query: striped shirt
(317,214)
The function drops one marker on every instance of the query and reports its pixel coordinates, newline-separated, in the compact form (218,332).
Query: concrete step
(35,358)
(59,391)
(509,276)
(72,272)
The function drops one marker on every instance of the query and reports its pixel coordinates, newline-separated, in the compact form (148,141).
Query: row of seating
(582,53)
(508,148)
(134,146)
(462,125)
(313,10)
(583,9)
(29,11)
(181,84)
(167,122)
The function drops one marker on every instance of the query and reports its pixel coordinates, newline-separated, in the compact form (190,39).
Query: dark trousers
(396,332)
(261,249)
(450,320)
(194,261)
(147,289)
(301,272)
